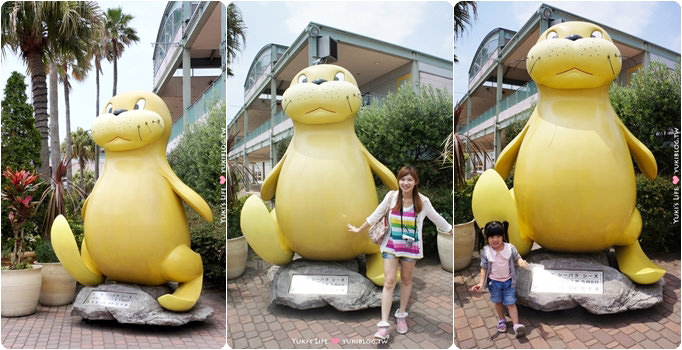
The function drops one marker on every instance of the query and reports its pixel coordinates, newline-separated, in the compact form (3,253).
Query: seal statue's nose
(319,81)
(119,111)
(574,37)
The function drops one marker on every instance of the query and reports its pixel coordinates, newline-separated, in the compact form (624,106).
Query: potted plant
(237,247)
(455,251)
(21,281)
(58,287)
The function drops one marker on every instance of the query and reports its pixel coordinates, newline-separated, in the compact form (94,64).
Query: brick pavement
(54,327)
(253,323)
(656,328)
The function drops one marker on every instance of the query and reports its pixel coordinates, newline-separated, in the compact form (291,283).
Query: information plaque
(567,281)
(109,299)
(318,284)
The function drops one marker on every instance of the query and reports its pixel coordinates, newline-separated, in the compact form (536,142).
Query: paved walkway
(656,328)
(253,323)
(54,327)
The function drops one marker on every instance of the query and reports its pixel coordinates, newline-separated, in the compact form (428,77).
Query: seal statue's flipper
(375,268)
(643,156)
(185,266)
(507,158)
(381,170)
(66,249)
(260,229)
(491,200)
(267,190)
(636,265)
(631,259)
(188,195)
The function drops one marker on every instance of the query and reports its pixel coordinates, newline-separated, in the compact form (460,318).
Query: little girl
(497,274)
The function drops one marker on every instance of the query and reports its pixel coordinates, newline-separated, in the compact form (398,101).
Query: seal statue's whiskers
(349,105)
(531,68)
(608,57)
(150,129)
(138,133)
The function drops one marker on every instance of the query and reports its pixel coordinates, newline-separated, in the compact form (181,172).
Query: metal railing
(522,93)
(261,129)
(212,95)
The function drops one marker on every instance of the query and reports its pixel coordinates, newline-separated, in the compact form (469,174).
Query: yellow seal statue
(574,184)
(135,226)
(323,181)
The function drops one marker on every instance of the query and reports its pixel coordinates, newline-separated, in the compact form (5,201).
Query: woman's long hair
(416,199)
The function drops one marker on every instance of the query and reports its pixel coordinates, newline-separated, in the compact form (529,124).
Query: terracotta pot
(237,251)
(58,287)
(20,291)
(463,239)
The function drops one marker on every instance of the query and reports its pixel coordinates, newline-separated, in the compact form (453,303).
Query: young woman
(403,244)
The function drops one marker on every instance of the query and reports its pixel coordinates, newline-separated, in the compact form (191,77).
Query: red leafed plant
(18,194)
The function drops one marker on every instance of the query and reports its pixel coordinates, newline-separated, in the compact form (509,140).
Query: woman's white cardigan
(427,211)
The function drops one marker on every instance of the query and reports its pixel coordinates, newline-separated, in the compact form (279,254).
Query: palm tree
(120,35)
(463,17)
(235,30)
(83,149)
(40,31)
(97,50)
(79,71)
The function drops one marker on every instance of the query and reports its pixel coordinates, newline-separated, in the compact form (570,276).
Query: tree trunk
(67,108)
(115,68)
(81,163)
(55,155)
(96,114)
(39,96)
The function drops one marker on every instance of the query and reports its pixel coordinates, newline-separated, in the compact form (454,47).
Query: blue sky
(135,67)
(419,25)
(654,21)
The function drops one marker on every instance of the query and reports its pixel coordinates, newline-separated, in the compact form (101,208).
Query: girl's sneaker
(401,324)
(502,325)
(384,331)
(519,330)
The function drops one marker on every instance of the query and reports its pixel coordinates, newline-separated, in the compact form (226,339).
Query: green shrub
(45,253)
(234,229)
(658,202)
(208,240)
(409,127)
(198,160)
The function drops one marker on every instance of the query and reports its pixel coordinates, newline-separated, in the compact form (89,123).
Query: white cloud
(387,21)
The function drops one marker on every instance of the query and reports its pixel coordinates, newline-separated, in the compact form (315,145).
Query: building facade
(378,67)
(500,90)
(189,64)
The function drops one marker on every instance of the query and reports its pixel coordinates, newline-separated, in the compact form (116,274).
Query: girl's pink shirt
(499,267)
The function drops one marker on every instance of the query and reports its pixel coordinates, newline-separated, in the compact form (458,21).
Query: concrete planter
(58,287)
(237,252)
(455,251)
(20,291)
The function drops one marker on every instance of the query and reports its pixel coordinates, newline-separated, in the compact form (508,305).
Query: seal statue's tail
(492,201)
(78,265)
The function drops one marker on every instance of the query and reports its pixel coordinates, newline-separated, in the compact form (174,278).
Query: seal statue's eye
(597,34)
(109,108)
(552,35)
(140,104)
(302,79)
(340,76)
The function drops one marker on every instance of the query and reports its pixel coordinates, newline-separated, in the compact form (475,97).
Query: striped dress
(404,240)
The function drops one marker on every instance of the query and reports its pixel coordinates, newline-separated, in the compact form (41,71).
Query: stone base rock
(135,304)
(362,293)
(619,292)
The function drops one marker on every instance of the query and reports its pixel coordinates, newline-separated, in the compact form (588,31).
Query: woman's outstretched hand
(352,228)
